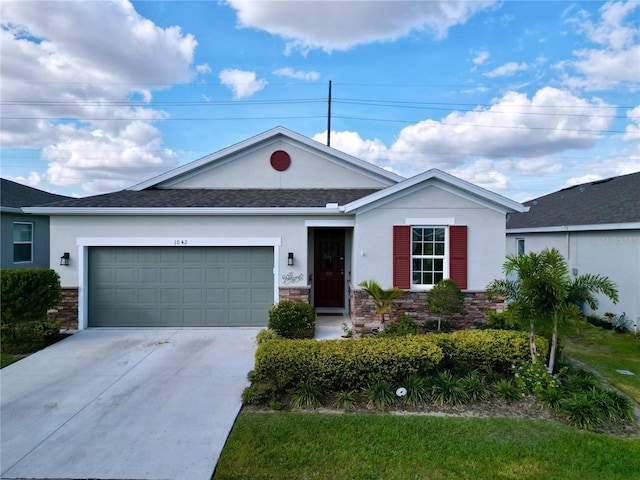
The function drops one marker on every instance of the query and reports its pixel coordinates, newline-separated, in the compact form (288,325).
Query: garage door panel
(124,296)
(193,275)
(176,286)
(124,275)
(148,275)
(170,296)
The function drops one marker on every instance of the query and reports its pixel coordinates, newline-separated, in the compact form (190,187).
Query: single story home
(24,238)
(278,216)
(596,227)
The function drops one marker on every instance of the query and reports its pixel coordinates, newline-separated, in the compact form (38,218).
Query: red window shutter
(402,256)
(458,255)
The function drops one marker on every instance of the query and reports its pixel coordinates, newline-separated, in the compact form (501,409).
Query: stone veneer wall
(364,316)
(295,293)
(67,311)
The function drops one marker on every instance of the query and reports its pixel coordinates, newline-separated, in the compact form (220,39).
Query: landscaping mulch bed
(528,407)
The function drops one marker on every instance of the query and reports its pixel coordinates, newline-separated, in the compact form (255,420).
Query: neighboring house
(24,238)
(596,227)
(279,216)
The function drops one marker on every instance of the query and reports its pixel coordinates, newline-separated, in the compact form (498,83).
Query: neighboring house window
(22,242)
(423,255)
(520,246)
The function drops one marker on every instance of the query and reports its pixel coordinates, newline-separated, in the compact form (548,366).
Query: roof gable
(439,179)
(610,201)
(247,165)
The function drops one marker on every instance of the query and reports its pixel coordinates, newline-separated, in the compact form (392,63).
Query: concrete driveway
(124,404)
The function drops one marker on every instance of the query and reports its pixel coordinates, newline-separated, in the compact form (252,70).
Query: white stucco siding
(292,230)
(373,234)
(613,253)
(253,170)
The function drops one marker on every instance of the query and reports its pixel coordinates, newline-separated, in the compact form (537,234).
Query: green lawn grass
(607,352)
(285,445)
(9,358)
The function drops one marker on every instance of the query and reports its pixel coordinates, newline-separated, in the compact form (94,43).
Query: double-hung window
(425,254)
(22,242)
(429,254)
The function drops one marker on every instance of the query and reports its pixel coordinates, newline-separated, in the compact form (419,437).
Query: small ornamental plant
(533,377)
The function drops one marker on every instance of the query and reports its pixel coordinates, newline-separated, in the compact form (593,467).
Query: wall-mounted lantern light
(64,259)
(290,259)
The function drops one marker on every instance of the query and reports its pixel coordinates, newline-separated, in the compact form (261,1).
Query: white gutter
(577,228)
(330,209)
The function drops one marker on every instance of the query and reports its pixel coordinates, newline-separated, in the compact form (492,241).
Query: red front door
(329,268)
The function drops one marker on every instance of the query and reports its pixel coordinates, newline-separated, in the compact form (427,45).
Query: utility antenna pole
(329,118)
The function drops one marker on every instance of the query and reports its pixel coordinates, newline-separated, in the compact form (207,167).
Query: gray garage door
(180,286)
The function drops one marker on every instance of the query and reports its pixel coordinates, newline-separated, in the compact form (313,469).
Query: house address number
(180,242)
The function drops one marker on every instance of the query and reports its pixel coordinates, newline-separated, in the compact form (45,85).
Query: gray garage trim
(180,287)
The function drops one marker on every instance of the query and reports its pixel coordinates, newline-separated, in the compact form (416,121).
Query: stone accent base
(412,303)
(295,293)
(67,311)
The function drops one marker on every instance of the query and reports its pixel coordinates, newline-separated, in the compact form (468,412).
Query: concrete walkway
(124,404)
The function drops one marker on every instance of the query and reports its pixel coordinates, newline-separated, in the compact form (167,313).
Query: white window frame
(519,241)
(20,242)
(445,257)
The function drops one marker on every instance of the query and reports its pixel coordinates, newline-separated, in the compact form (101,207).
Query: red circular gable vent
(280,160)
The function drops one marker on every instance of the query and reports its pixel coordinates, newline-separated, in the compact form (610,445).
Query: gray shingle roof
(613,200)
(16,195)
(219,198)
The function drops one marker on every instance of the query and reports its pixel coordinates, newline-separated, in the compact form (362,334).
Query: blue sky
(520,97)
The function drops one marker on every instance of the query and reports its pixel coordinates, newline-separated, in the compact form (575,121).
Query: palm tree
(544,291)
(382,299)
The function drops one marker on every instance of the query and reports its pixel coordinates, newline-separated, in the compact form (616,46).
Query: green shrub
(552,397)
(506,391)
(476,387)
(256,394)
(346,400)
(337,365)
(381,394)
(448,390)
(533,377)
(27,294)
(504,320)
(404,326)
(307,395)
(417,390)
(266,335)
(581,412)
(445,298)
(483,349)
(293,319)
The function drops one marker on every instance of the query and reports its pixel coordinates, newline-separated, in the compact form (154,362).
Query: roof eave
(575,228)
(276,211)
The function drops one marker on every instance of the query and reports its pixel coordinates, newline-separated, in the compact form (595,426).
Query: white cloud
(78,64)
(104,161)
(615,61)
(297,74)
(241,82)
(551,121)
(632,132)
(373,151)
(480,57)
(539,166)
(484,173)
(507,69)
(340,25)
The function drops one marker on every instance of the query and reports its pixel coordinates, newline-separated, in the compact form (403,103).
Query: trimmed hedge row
(336,365)
(342,364)
(484,349)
